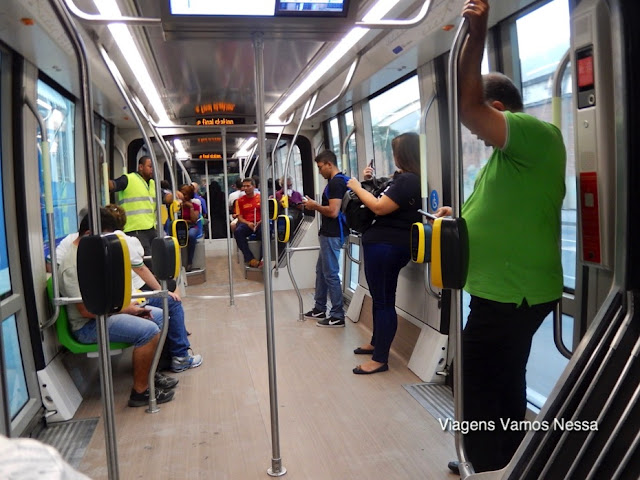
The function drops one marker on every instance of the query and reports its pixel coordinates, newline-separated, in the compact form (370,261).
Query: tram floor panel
(332,424)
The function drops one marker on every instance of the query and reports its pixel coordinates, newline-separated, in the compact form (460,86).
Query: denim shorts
(123,327)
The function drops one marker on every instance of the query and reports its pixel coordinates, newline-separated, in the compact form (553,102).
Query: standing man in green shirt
(515,272)
(137,195)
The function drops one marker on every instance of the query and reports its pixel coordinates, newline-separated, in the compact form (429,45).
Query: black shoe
(315,315)
(363,351)
(454,466)
(359,371)
(141,399)
(331,322)
(165,382)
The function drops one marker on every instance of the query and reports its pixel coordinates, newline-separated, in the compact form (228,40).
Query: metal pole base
(466,469)
(282,471)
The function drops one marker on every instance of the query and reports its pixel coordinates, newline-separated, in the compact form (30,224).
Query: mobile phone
(372,164)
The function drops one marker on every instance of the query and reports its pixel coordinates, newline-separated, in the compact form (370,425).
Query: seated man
(134,324)
(178,344)
(248,214)
(295,197)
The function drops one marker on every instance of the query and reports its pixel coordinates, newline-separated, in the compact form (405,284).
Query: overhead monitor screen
(223,8)
(317,7)
(266,8)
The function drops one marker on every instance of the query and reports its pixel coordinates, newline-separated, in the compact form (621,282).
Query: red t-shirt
(249,208)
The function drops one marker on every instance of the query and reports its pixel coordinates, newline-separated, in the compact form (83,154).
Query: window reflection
(58,113)
(14,370)
(5,278)
(393,112)
(351,146)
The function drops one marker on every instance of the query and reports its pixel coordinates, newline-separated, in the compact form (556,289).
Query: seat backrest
(63,330)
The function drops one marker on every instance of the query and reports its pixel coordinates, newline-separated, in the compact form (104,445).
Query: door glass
(5,278)
(351,146)
(334,140)
(14,370)
(539,57)
(58,113)
(393,112)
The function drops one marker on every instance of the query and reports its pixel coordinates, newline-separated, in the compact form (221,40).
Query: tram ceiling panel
(214,77)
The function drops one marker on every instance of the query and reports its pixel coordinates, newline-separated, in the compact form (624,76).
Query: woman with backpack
(386,245)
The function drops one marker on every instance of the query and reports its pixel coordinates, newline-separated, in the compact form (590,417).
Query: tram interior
(184,90)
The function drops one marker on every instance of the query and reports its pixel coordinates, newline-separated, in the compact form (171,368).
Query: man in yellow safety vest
(137,195)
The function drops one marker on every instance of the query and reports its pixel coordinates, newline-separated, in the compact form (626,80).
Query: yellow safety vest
(139,201)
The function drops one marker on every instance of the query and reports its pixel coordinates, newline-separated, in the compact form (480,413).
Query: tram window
(5,278)
(539,58)
(548,363)
(474,152)
(393,112)
(354,267)
(351,146)
(295,167)
(58,113)
(13,368)
(334,140)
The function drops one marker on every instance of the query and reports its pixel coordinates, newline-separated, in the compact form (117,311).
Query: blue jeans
(242,233)
(382,265)
(328,277)
(191,246)
(177,341)
(123,327)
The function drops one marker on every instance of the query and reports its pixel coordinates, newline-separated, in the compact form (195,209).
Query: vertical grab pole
(223,132)
(465,467)
(276,469)
(106,381)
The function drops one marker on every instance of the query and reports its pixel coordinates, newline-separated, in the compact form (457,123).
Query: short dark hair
(143,159)
(250,180)
(238,183)
(406,152)
(327,157)
(498,86)
(108,222)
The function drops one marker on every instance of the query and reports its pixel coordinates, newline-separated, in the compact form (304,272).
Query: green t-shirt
(513,216)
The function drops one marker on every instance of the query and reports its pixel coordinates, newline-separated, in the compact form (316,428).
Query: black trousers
(496,347)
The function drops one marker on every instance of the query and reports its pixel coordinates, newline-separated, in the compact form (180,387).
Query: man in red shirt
(248,212)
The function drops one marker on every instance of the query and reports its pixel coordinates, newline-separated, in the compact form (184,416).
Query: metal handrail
(305,112)
(345,86)
(48,203)
(348,249)
(424,186)
(104,20)
(465,467)
(557,331)
(106,382)
(556,89)
(408,23)
(126,95)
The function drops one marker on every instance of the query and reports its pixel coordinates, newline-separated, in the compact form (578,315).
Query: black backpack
(357,216)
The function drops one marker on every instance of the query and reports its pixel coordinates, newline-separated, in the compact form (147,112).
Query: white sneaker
(180,364)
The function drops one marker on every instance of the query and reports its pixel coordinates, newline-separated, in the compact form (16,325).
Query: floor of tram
(332,423)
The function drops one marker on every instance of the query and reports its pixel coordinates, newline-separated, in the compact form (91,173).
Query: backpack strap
(342,219)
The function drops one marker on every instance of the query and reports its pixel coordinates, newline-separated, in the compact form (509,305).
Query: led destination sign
(219,121)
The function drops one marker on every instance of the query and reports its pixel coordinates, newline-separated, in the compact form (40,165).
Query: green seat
(65,338)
